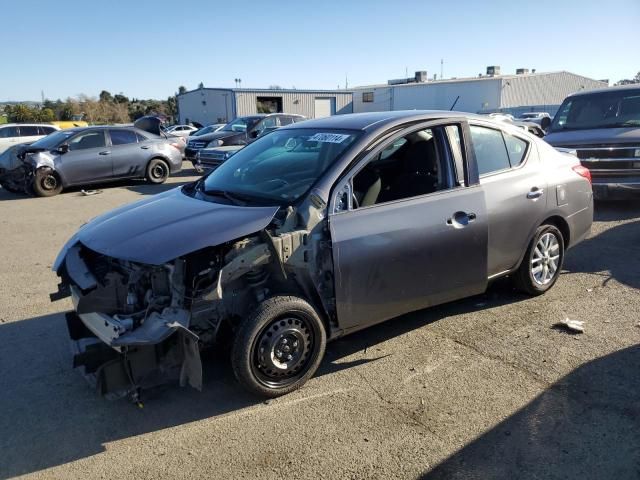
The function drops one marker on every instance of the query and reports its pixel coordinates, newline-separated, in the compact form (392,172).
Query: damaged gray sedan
(311,233)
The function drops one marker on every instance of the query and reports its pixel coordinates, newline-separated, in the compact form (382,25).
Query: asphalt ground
(484,388)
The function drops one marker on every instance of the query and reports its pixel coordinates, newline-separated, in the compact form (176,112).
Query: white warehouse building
(515,94)
(221,105)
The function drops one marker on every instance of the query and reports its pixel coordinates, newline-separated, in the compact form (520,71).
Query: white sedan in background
(181,130)
(16,133)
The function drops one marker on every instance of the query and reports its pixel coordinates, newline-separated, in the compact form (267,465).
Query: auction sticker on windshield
(329,137)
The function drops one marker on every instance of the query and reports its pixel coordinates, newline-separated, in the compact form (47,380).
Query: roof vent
(493,70)
(522,71)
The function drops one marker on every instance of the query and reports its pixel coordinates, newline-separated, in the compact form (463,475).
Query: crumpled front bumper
(117,359)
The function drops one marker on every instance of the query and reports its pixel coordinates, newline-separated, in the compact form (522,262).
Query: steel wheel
(281,351)
(157,171)
(278,346)
(545,259)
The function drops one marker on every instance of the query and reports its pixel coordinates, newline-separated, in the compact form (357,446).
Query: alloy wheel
(545,259)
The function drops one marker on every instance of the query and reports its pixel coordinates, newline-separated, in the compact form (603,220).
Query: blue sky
(146,49)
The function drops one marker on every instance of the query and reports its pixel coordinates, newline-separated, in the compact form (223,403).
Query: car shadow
(614,254)
(50,416)
(612,210)
(585,426)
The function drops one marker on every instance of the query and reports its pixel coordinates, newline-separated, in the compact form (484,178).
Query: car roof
(25,124)
(619,88)
(371,120)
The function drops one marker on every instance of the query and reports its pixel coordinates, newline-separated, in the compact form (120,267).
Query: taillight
(175,145)
(582,171)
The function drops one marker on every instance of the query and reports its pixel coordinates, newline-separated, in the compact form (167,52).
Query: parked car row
(238,133)
(12,134)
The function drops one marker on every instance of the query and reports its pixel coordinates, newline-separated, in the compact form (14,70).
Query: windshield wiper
(232,197)
(628,123)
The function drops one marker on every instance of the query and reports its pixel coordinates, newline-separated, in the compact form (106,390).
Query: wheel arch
(558,222)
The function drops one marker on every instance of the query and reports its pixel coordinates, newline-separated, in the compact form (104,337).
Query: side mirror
(64,148)
(254,133)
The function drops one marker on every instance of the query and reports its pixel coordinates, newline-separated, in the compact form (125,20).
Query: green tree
(106,97)
(627,81)
(46,115)
(120,98)
(182,89)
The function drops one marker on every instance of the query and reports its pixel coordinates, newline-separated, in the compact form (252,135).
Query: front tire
(278,347)
(157,171)
(46,183)
(541,265)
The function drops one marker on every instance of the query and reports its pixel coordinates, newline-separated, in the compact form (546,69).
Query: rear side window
(28,131)
(45,130)
(490,149)
(123,137)
(286,121)
(516,148)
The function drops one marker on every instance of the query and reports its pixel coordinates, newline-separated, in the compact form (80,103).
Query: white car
(181,130)
(15,133)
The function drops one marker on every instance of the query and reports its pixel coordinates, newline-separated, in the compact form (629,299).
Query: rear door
(128,156)
(515,190)
(406,235)
(88,159)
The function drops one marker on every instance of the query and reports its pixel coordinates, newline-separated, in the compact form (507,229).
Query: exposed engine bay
(137,325)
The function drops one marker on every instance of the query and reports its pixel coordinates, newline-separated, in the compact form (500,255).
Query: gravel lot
(483,388)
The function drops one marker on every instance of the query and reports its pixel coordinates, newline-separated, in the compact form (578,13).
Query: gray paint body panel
(398,257)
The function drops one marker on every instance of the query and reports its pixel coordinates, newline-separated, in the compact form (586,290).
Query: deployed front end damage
(137,325)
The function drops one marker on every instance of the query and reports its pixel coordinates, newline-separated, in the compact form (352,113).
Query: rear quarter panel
(570,195)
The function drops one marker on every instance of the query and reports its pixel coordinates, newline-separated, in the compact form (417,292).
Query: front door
(88,159)
(407,233)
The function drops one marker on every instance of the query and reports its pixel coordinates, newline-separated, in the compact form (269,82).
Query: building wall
(293,101)
(474,95)
(512,94)
(542,92)
(206,106)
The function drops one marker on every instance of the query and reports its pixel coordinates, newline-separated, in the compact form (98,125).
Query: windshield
(53,140)
(530,115)
(278,168)
(241,124)
(599,110)
(203,131)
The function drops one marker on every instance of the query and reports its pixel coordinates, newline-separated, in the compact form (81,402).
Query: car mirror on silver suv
(62,149)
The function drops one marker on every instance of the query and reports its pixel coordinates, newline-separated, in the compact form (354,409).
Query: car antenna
(454,103)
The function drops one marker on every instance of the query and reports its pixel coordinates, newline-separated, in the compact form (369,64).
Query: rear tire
(541,265)
(46,183)
(278,347)
(157,171)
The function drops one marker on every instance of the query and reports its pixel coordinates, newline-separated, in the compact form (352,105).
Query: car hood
(216,135)
(598,136)
(167,226)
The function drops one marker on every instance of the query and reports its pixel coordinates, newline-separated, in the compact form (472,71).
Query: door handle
(106,152)
(535,193)
(145,147)
(461,219)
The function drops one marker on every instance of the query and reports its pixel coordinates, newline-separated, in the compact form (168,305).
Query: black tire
(529,281)
(157,171)
(278,347)
(46,183)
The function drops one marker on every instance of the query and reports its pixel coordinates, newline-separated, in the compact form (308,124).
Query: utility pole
(346,82)
(441,68)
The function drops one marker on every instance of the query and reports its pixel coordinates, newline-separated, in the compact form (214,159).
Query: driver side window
(86,140)
(417,164)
